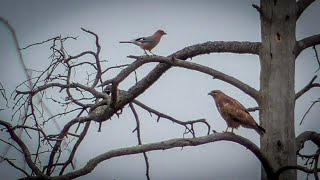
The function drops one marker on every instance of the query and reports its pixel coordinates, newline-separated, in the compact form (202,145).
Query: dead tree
(98,99)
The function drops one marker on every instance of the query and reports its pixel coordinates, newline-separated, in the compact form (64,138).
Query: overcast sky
(179,93)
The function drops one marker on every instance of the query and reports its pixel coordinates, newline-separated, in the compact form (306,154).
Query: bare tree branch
(317,57)
(3,94)
(169,144)
(301,6)
(309,86)
(24,148)
(188,52)
(30,84)
(48,40)
(315,167)
(123,74)
(307,136)
(115,67)
(11,145)
(301,168)
(63,86)
(139,139)
(61,136)
(199,49)
(204,69)
(15,166)
(97,58)
(244,47)
(306,43)
(75,147)
(183,123)
(305,114)
(16,44)
(257,8)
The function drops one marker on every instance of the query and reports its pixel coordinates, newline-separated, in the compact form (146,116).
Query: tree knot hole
(278,36)
(279,144)
(287,17)
(275,2)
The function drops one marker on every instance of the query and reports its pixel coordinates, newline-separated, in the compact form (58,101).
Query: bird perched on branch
(147,43)
(234,113)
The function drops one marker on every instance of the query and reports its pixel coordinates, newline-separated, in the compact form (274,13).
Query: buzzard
(234,113)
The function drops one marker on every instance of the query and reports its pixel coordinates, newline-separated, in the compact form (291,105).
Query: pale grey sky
(179,93)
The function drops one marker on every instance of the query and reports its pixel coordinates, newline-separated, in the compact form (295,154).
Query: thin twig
(139,138)
(309,86)
(15,166)
(183,123)
(115,67)
(75,147)
(314,102)
(48,40)
(317,57)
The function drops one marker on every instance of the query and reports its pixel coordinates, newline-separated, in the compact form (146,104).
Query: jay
(147,43)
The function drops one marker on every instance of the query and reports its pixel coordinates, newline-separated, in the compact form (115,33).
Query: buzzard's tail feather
(260,130)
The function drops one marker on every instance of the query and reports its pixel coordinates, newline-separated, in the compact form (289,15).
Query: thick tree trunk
(277,83)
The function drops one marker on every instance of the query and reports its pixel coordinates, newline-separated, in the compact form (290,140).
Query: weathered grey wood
(278,23)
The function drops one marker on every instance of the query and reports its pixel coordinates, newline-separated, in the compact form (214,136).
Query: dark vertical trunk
(277,83)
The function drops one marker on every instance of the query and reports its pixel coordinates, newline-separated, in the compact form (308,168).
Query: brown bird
(234,113)
(147,43)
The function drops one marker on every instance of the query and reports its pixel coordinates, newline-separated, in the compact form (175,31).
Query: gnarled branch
(204,69)
(169,144)
(301,6)
(307,136)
